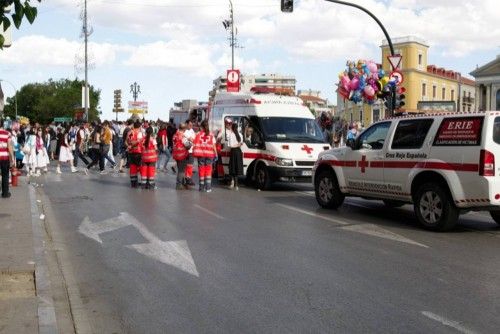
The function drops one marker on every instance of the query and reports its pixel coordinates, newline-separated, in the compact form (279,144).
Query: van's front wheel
(434,208)
(327,190)
(262,177)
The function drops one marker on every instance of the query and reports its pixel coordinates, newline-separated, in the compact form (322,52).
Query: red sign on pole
(233,80)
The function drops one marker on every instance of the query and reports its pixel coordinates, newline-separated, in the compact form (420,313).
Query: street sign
(137,107)
(395,61)
(233,80)
(62,119)
(397,77)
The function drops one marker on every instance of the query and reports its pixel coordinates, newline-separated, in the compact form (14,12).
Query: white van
(443,164)
(282,140)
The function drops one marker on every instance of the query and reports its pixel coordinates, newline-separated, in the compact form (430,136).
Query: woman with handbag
(65,152)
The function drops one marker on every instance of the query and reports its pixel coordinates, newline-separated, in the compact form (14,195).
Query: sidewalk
(18,301)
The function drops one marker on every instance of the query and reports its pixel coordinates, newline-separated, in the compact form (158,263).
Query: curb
(46,312)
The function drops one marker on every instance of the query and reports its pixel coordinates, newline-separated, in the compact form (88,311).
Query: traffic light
(287,6)
(118,99)
(388,103)
(400,98)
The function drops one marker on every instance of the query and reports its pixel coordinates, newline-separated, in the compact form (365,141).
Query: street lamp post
(389,41)
(15,93)
(135,89)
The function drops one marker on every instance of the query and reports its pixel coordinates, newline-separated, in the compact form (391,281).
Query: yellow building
(428,88)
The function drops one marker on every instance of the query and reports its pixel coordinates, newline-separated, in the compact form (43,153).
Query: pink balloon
(369,91)
(354,84)
(344,81)
(372,67)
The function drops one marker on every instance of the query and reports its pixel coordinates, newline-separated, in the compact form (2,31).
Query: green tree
(21,9)
(41,102)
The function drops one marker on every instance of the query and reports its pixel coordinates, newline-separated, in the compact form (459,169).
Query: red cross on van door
(307,149)
(363,163)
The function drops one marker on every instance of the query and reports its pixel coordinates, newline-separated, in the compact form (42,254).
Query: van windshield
(291,129)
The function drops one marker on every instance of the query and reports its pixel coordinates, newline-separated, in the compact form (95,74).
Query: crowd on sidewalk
(141,147)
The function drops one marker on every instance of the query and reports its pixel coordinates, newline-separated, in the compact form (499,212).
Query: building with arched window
(488,85)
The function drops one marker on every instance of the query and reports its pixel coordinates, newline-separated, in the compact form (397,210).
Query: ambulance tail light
(486,163)
(285,147)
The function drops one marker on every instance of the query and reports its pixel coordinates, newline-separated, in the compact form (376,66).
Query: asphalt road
(170,261)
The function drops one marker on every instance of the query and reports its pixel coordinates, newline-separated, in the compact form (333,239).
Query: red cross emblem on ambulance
(363,163)
(307,149)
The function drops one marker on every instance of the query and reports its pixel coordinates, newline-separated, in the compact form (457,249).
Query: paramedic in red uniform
(6,159)
(134,144)
(180,154)
(148,160)
(204,149)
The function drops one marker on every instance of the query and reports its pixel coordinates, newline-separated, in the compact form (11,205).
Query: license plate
(307,173)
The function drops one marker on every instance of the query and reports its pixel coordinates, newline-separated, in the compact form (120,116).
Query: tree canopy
(41,102)
(21,8)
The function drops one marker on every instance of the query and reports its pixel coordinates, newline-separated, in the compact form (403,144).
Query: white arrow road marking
(450,323)
(369,229)
(174,253)
(92,230)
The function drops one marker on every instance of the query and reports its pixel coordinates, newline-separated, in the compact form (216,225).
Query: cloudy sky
(175,48)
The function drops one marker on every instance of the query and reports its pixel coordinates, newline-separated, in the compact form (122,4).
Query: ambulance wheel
(262,177)
(434,207)
(328,194)
(390,203)
(496,216)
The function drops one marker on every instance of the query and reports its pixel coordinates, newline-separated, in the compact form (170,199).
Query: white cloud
(250,66)
(41,50)
(182,55)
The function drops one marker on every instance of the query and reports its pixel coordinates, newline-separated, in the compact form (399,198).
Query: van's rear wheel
(434,208)
(327,190)
(496,216)
(262,177)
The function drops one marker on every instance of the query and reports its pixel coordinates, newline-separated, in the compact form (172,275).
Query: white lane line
(307,193)
(364,228)
(450,323)
(209,212)
(312,214)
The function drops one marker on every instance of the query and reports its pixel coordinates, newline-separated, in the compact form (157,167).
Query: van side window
(496,130)
(410,134)
(374,137)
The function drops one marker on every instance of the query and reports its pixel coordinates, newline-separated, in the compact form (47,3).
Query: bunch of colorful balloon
(364,82)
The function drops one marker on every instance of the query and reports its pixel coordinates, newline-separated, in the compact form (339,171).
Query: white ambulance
(444,164)
(282,140)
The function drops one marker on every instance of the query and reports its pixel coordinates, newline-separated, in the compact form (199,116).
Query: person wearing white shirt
(189,134)
(234,142)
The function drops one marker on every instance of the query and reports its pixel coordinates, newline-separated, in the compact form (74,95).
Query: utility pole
(229,24)
(86,37)
(232,35)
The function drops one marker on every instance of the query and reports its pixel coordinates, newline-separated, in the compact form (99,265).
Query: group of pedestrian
(143,147)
